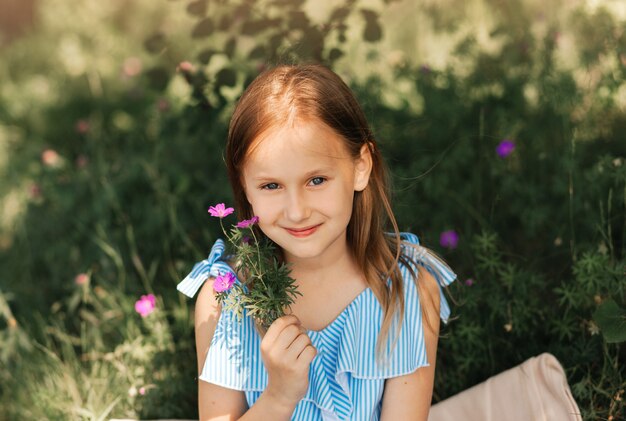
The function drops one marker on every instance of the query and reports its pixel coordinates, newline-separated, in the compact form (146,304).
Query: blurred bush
(500,123)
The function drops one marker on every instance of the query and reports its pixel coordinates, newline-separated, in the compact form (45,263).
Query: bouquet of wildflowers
(266,289)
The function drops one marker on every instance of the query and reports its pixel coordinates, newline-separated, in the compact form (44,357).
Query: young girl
(361,341)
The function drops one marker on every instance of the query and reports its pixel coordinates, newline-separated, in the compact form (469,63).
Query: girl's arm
(408,397)
(214,402)
(217,402)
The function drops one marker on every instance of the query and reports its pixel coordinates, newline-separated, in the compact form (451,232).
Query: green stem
(258,254)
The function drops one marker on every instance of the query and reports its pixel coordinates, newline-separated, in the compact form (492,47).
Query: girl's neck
(327,286)
(334,264)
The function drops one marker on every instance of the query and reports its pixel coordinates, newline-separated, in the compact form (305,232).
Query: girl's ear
(362,168)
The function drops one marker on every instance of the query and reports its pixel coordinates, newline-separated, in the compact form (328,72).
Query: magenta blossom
(145,305)
(505,148)
(81,279)
(247,222)
(220,210)
(50,158)
(185,67)
(449,239)
(82,126)
(469,282)
(34,191)
(224,282)
(163,105)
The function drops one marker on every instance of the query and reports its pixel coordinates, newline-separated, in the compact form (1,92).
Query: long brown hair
(280,94)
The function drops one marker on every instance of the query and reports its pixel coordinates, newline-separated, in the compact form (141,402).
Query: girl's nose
(297,209)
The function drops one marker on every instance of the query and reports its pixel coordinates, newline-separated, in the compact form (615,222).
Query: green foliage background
(134,99)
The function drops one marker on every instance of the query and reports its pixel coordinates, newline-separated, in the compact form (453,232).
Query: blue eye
(317,181)
(270,186)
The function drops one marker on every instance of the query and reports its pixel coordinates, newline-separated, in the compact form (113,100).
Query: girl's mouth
(302,232)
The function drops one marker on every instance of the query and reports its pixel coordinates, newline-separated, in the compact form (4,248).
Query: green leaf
(197,8)
(340,14)
(155,43)
(611,319)
(373,32)
(158,78)
(204,28)
(205,55)
(254,27)
(298,20)
(312,44)
(229,48)
(257,52)
(334,54)
(225,22)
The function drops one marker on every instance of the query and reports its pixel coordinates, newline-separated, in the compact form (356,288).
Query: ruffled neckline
(343,312)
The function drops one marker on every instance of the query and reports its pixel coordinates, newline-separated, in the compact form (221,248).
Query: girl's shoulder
(216,264)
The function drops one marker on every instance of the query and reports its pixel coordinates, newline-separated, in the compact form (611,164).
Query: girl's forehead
(305,138)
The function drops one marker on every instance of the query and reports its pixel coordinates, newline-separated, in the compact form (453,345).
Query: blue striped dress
(346,381)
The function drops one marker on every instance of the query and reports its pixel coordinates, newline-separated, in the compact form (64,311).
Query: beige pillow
(534,390)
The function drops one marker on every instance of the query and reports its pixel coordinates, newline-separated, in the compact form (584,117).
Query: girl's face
(300,180)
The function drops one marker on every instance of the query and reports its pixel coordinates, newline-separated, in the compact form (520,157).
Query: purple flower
(505,148)
(220,210)
(469,282)
(449,239)
(224,282)
(246,240)
(145,305)
(247,222)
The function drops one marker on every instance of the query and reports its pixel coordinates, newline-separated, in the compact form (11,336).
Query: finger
(287,337)
(278,325)
(298,345)
(307,355)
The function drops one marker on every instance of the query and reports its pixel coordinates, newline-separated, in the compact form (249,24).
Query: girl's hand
(287,352)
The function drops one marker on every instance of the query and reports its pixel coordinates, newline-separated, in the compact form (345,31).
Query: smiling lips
(302,232)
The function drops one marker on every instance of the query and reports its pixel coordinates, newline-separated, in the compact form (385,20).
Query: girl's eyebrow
(317,171)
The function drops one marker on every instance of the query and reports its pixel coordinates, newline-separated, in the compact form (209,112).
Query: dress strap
(434,265)
(211,266)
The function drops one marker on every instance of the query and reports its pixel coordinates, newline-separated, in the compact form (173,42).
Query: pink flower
(145,305)
(34,191)
(82,161)
(449,239)
(50,158)
(82,126)
(247,222)
(224,282)
(132,66)
(142,390)
(220,210)
(505,148)
(163,105)
(81,279)
(185,67)
(469,282)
